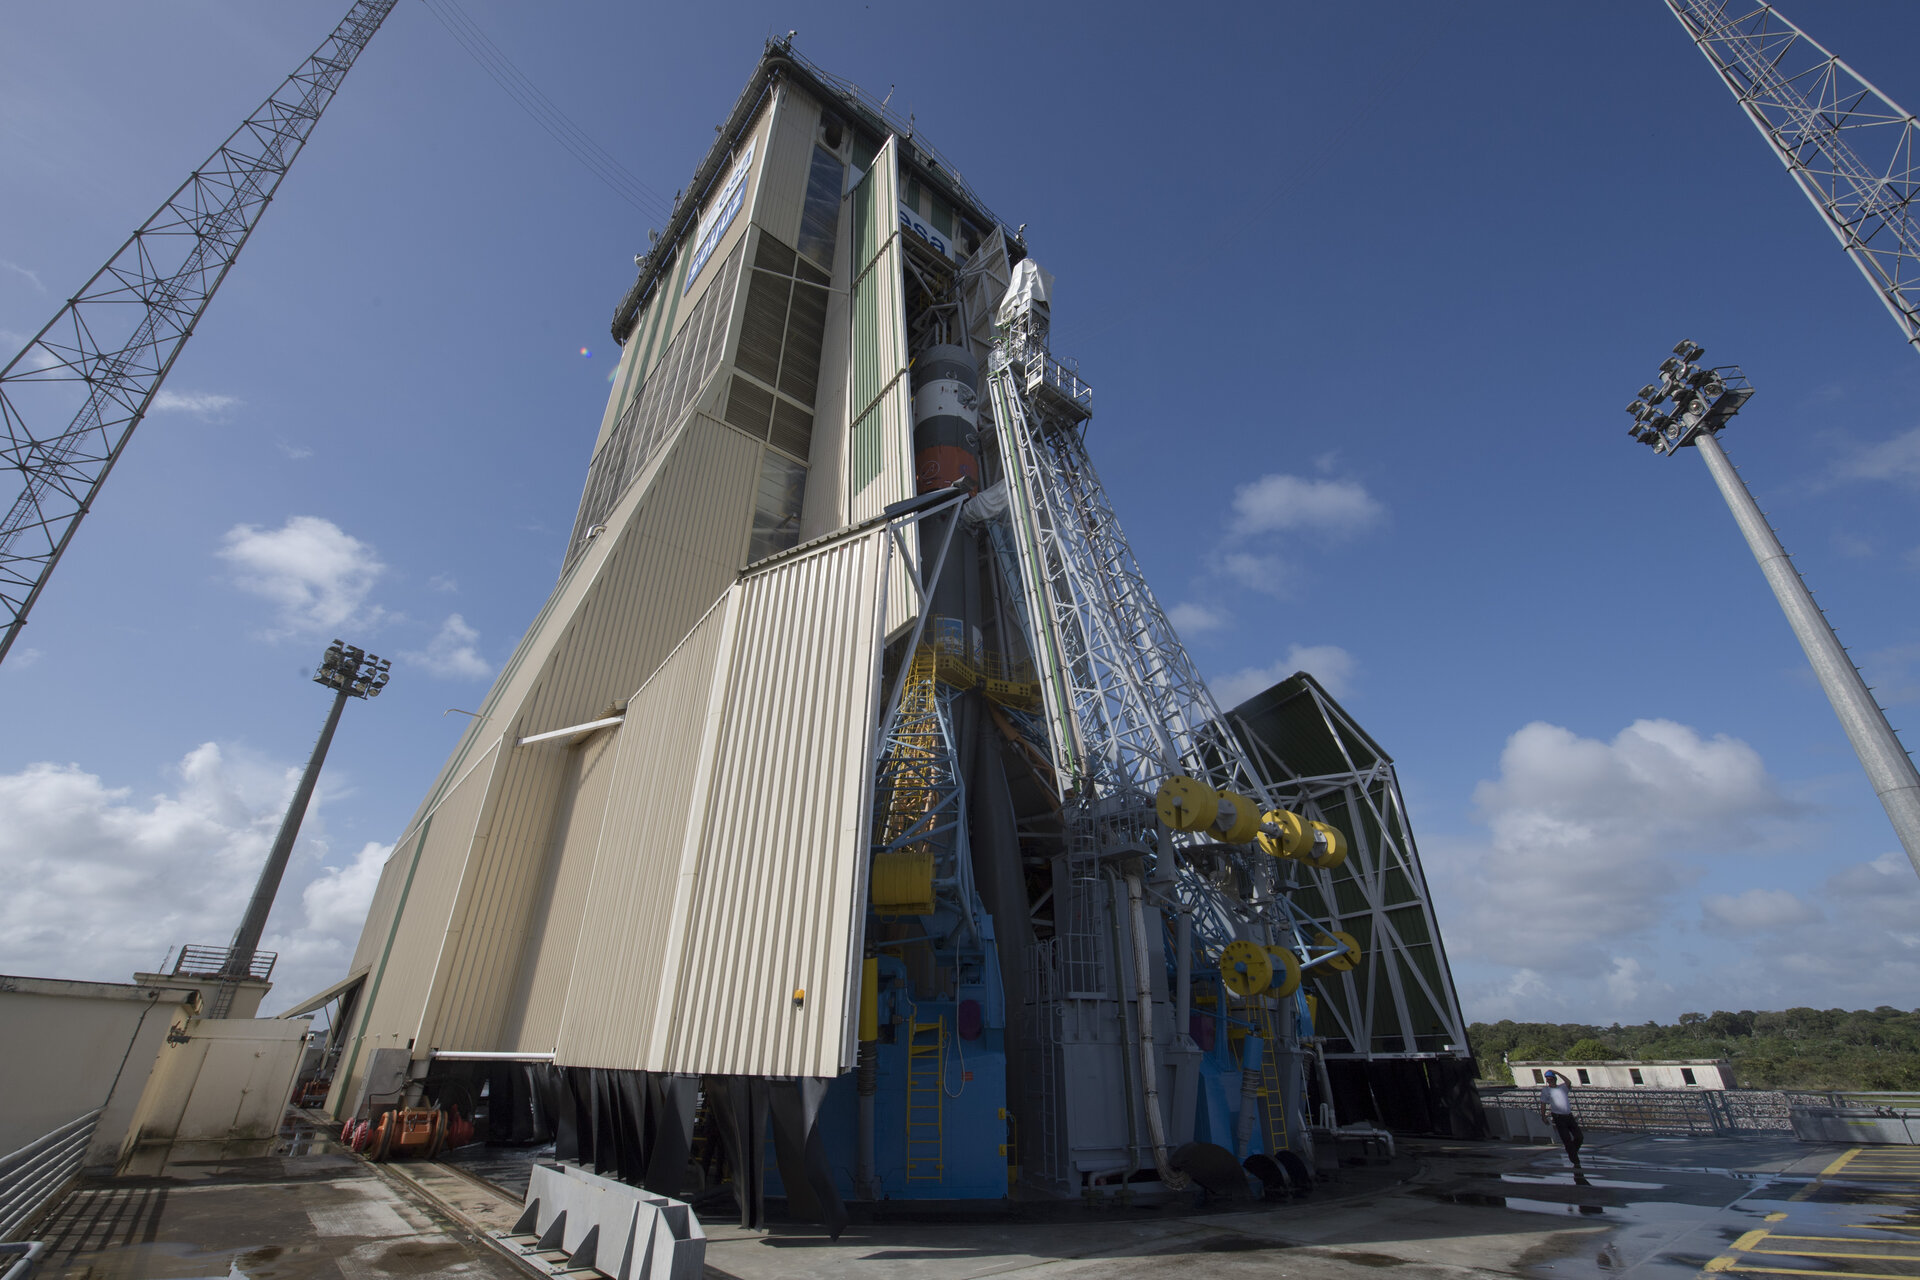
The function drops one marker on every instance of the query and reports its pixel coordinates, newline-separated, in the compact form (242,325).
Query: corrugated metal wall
(431,858)
(778,896)
(532,1023)
(611,1002)
(673,546)
(706,916)
(676,555)
(783,176)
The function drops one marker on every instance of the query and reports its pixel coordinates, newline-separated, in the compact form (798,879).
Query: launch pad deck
(1642,1206)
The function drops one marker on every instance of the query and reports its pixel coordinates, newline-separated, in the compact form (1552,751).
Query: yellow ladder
(1273,1096)
(926,1092)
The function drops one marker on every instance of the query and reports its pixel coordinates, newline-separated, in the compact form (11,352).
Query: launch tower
(850,822)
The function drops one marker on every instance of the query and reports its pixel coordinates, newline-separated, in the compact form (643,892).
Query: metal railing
(212,962)
(37,1173)
(1668,1111)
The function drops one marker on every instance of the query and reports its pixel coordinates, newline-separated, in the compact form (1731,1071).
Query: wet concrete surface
(306,1212)
(1642,1207)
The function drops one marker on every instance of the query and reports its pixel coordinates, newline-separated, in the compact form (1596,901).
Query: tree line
(1791,1049)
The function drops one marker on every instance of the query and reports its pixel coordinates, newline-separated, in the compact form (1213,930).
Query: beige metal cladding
(622,936)
(781,878)
(783,175)
(879,404)
(429,862)
(725,915)
(673,545)
(532,1023)
(676,554)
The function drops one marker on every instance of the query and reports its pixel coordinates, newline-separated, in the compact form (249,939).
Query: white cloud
(203,403)
(1331,665)
(101,884)
(1590,840)
(336,900)
(1191,619)
(451,654)
(20,659)
(1757,910)
(296,452)
(1276,502)
(30,277)
(1269,574)
(1896,459)
(444,582)
(318,575)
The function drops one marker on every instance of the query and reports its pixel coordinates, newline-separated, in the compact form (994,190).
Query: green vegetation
(1793,1049)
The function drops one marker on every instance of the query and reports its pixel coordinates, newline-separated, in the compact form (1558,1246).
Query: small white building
(1666,1073)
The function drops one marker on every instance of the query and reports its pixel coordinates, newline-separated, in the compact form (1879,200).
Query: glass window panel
(820,216)
(776,506)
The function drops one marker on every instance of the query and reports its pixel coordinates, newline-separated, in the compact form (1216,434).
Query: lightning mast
(70,400)
(1848,146)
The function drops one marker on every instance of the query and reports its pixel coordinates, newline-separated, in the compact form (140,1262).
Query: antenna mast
(1848,146)
(71,399)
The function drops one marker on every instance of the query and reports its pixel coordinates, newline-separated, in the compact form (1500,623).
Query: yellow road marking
(1836,1166)
(1803,1271)
(1872,1257)
(1833,1253)
(1748,1240)
(1877,1226)
(1775,1217)
(1848,1239)
(1840,1163)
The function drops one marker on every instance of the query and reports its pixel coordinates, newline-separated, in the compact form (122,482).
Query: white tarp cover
(1030,285)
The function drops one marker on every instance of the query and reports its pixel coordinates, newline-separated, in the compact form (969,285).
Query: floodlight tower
(1702,401)
(351,673)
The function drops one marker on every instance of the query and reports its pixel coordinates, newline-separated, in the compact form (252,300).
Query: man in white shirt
(1556,1106)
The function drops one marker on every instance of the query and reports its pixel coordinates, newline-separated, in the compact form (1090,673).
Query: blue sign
(720,217)
(912,221)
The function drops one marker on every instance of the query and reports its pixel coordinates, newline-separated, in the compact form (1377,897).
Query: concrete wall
(67,1047)
(1707,1073)
(222,1081)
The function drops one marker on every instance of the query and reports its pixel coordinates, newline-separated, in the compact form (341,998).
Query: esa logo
(913,222)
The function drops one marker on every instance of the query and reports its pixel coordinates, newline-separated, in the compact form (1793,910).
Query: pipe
(478,1055)
(868,1080)
(1182,973)
(1126,1059)
(1249,1095)
(1170,1177)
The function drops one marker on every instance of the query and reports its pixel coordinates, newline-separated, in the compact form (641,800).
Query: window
(820,215)
(1582,1073)
(782,326)
(1635,1073)
(1537,1077)
(1686,1074)
(776,506)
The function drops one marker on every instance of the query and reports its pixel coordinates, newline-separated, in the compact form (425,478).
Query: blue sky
(1361,293)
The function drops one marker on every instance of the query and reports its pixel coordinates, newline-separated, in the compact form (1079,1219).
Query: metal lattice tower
(71,399)
(1850,148)
(1129,707)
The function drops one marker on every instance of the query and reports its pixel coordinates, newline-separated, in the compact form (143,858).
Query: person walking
(1556,1106)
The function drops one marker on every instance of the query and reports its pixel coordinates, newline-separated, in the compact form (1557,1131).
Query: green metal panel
(876,358)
